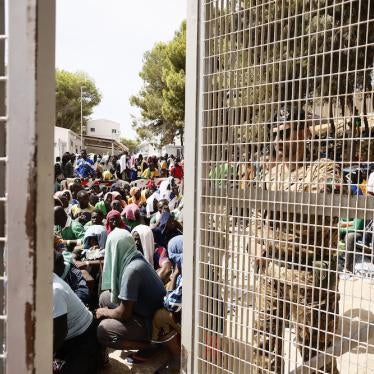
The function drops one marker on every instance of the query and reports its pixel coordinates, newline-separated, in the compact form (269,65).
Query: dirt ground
(119,365)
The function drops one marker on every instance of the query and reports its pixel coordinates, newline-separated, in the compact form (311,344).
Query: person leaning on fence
(297,277)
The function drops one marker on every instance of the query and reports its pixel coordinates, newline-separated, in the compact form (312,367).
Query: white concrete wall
(176,150)
(103,128)
(65,140)
(147,149)
(61,141)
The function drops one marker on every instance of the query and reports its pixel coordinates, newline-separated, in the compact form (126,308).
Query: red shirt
(177,171)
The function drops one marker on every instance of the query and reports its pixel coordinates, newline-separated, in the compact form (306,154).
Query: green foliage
(131,144)
(161,100)
(258,61)
(68,98)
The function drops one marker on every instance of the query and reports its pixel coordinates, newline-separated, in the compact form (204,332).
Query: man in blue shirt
(85,166)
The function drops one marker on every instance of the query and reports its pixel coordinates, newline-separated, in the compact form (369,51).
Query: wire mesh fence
(285,265)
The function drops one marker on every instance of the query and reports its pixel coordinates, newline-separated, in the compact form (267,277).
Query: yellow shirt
(150,174)
(75,210)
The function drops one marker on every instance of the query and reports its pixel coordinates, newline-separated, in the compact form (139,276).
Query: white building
(104,129)
(147,149)
(66,140)
(171,149)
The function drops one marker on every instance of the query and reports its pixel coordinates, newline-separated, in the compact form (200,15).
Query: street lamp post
(81,117)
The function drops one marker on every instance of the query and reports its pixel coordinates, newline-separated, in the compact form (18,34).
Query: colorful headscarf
(151,184)
(130,212)
(115,194)
(107,175)
(133,191)
(120,250)
(111,214)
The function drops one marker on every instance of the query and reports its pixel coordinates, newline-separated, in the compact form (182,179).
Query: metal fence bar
(3,153)
(191,189)
(31,94)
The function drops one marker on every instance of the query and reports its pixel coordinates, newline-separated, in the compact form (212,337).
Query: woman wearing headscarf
(136,196)
(131,215)
(114,220)
(117,196)
(166,229)
(133,292)
(104,205)
(155,255)
(95,236)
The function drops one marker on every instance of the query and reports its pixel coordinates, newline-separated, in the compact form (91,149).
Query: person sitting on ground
(166,324)
(74,189)
(162,206)
(96,219)
(83,218)
(75,343)
(68,197)
(118,196)
(95,238)
(64,267)
(177,170)
(83,204)
(61,196)
(141,165)
(132,293)
(131,215)
(164,167)
(157,257)
(151,172)
(94,199)
(116,205)
(166,229)
(72,232)
(114,220)
(151,187)
(135,196)
(175,251)
(104,206)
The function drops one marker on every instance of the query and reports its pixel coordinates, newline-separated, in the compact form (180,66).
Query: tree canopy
(161,100)
(314,58)
(131,144)
(68,98)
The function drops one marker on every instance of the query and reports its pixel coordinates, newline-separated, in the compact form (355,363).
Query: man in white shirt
(74,331)
(123,165)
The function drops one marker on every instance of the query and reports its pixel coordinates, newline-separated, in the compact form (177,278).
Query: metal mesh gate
(284,263)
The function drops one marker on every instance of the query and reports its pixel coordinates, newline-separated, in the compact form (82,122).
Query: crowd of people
(118,258)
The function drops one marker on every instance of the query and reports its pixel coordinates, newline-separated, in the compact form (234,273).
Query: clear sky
(107,39)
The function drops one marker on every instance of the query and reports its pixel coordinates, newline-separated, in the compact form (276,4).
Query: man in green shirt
(72,232)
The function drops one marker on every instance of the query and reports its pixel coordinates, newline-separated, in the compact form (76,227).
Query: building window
(114,131)
(92,129)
